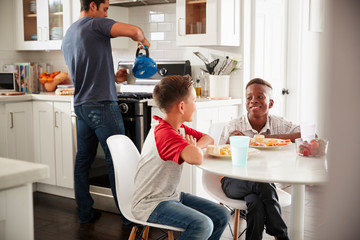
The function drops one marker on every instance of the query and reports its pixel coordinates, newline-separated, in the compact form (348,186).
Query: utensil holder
(219,86)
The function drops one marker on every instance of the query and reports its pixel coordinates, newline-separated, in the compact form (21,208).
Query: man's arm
(127,30)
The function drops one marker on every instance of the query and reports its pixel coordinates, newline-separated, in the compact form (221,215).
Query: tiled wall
(159,25)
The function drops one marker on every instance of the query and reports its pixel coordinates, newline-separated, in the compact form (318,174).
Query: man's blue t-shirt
(87,50)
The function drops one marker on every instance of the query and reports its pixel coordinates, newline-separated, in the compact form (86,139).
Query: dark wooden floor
(56,218)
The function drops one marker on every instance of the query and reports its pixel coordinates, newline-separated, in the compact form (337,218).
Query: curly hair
(170,90)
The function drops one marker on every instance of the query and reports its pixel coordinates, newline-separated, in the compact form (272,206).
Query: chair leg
(133,233)
(146,233)
(170,235)
(236,224)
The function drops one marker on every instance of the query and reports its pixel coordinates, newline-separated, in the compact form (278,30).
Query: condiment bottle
(197,87)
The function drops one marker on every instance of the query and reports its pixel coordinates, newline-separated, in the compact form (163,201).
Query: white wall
(341,118)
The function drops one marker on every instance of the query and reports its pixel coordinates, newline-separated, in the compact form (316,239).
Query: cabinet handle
(11,120)
(46,37)
(39,35)
(56,113)
(74,131)
(234,28)
(179,26)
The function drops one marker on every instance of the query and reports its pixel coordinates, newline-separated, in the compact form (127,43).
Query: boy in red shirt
(164,152)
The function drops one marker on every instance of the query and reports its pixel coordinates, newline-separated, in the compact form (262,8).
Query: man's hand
(234,133)
(190,139)
(121,76)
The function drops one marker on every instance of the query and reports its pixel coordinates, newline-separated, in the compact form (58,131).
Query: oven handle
(129,119)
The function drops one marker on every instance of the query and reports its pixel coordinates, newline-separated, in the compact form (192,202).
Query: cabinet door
(19,131)
(63,145)
(227,113)
(203,118)
(44,145)
(41,23)
(196,22)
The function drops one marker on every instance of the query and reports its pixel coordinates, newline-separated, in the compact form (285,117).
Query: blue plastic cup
(239,146)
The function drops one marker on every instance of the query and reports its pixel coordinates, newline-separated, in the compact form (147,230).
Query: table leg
(297,211)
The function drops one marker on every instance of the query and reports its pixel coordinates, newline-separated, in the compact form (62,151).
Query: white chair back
(125,158)
(215,131)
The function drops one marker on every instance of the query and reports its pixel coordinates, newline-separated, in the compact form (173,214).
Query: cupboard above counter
(41,24)
(208,22)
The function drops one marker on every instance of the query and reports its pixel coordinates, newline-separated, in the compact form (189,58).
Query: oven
(136,113)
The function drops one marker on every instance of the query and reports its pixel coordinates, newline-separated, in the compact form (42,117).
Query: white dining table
(277,165)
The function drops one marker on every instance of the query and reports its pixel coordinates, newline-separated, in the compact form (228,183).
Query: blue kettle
(144,66)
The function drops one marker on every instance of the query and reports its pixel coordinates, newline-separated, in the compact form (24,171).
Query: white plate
(270,147)
(251,151)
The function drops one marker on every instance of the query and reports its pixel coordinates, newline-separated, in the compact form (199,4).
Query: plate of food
(224,151)
(260,142)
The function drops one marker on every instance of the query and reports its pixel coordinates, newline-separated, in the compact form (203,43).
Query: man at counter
(87,51)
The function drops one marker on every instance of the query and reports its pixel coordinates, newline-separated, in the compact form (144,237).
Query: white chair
(215,131)
(212,185)
(125,159)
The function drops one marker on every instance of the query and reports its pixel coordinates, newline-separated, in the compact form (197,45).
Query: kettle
(144,66)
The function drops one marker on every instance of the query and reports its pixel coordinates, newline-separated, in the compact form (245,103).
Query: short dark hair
(85,4)
(171,89)
(258,81)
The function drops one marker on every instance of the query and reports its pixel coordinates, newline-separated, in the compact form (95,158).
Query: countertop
(204,102)
(15,173)
(51,96)
(43,96)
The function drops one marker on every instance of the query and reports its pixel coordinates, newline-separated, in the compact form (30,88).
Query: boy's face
(190,105)
(102,11)
(258,100)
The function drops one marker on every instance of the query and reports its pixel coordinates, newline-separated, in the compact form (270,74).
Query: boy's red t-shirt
(168,142)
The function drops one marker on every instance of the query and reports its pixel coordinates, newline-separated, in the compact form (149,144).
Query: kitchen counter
(205,102)
(43,96)
(16,198)
(14,173)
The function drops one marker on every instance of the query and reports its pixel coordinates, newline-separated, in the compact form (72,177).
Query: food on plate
(316,148)
(225,150)
(269,143)
(213,149)
(259,138)
(218,150)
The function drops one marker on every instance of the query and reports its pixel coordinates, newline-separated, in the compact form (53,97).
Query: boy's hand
(190,139)
(234,133)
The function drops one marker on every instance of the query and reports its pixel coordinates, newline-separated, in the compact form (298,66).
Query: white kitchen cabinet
(208,22)
(16,131)
(53,141)
(41,24)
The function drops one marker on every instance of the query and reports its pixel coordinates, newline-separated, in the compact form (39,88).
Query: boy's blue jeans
(202,219)
(95,123)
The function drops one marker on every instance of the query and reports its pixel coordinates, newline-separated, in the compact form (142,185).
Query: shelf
(32,15)
(56,13)
(196,2)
